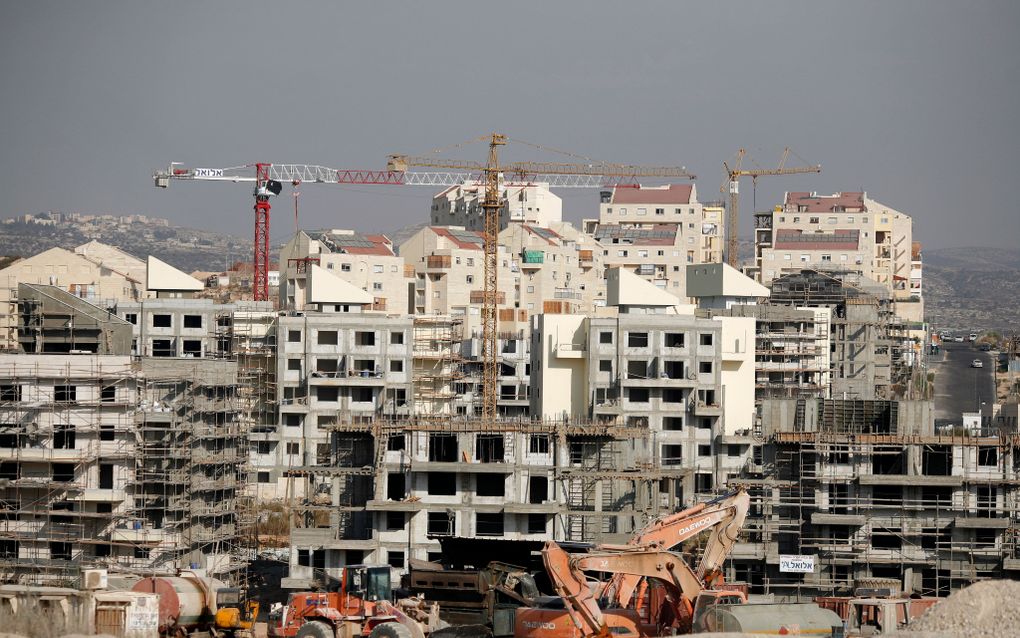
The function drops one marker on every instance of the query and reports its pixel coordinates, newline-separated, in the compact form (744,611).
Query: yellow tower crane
(597,174)
(734,173)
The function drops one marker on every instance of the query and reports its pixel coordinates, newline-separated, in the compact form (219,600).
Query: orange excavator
(670,596)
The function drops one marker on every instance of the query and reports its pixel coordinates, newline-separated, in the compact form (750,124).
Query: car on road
(972,336)
(958,339)
(977,363)
(985,347)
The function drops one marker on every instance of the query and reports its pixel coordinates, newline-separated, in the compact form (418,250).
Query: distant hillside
(972,288)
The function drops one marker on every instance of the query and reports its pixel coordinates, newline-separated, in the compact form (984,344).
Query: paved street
(960,388)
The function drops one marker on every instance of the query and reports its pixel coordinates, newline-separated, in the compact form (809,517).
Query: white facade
(461,205)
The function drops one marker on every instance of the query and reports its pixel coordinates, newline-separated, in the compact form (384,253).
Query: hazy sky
(915,102)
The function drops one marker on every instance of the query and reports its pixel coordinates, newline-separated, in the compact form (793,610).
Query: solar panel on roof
(545,233)
(465,236)
(351,241)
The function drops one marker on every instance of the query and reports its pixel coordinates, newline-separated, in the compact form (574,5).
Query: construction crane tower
(733,174)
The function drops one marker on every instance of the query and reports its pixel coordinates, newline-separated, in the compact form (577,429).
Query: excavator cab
(369,583)
(709,598)
(233,611)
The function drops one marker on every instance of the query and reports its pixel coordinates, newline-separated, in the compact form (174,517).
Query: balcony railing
(438,261)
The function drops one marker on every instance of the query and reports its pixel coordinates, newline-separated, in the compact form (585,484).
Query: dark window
(396,443)
(441,523)
(605,337)
(672,454)
(538,444)
(10,392)
(364,338)
(988,456)
(705,367)
(673,395)
(304,558)
(63,436)
(106,432)
(637,339)
(673,423)
(396,365)
(294,364)
(442,484)
(487,524)
(324,393)
(538,489)
(705,339)
(293,448)
(937,460)
(733,449)
(363,395)
(192,347)
(131,318)
(396,486)
(263,477)
(637,395)
(65,393)
(674,340)
(294,336)
(292,420)
(443,448)
(192,321)
(703,482)
(704,450)
(263,447)
(395,521)
(163,348)
(327,338)
(63,472)
(536,523)
(108,394)
(605,365)
(162,321)
(60,551)
(489,448)
(102,551)
(397,338)
(395,559)
(105,476)
(490,484)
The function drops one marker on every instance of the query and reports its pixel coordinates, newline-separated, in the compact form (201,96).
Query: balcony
(585,258)
(478,296)
(438,262)
(570,350)
(532,258)
(566,293)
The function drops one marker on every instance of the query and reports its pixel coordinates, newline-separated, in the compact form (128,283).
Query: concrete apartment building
(366,261)
(656,231)
(871,490)
(112,460)
(461,205)
(844,231)
(82,275)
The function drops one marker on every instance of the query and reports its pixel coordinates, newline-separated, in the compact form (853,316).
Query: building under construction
(870,490)
(109,460)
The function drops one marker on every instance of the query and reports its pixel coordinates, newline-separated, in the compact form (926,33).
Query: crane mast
(490,359)
(733,175)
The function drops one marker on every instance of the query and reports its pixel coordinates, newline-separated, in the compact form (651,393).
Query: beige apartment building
(366,261)
(461,205)
(82,275)
(843,231)
(656,231)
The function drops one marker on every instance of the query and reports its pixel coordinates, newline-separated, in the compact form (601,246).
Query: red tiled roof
(790,239)
(673,194)
(825,203)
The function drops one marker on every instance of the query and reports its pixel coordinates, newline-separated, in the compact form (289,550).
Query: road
(959,387)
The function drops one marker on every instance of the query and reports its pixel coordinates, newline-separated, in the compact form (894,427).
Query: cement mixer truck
(191,604)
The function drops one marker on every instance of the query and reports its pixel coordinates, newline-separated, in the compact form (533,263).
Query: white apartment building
(843,231)
(366,261)
(656,231)
(461,205)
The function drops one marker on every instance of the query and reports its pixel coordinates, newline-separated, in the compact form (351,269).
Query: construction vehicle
(722,517)
(360,605)
(191,604)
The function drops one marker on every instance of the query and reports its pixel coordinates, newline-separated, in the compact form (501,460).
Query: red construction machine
(359,607)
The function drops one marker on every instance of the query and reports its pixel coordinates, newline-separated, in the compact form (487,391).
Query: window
(642,253)
(364,338)
(442,484)
(621,253)
(441,523)
(490,484)
(106,432)
(395,521)
(292,420)
(672,454)
(163,348)
(376,285)
(490,448)
(831,220)
(293,448)
(605,337)
(327,337)
(637,395)
(324,393)
(65,393)
(192,321)
(787,257)
(191,347)
(108,394)
(850,219)
(489,524)
(263,447)
(660,211)
(637,339)
(396,443)
(263,477)
(813,220)
(396,365)
(395,559)
(538,444)
(826,257)
(377,268)
(162,321)
(605,365)
(672,423)
(704,450)
(294,364)
(705,339)
(988,456)
(345,268)
(705,367)
(131,318)
(470,279)
(293,336)
(733,449)
(674,340)
(536,524)
(10,392)
(805,257)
